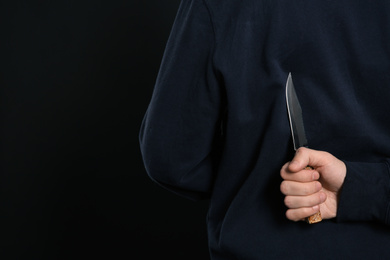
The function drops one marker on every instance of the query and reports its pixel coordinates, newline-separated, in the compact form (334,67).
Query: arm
(366,193)
(180,131)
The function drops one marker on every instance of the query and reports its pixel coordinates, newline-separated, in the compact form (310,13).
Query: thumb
(307,157)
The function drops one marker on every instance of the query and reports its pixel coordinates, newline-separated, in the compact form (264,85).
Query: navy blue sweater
(217,126)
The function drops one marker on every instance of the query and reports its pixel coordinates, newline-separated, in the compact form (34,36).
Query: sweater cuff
(365,193)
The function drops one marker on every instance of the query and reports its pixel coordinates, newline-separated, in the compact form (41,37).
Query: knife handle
(316,217)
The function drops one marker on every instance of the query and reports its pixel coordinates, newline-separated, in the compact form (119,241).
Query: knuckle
(301,150)
(284,187)
(315,200)
(317,186)
(313,187)
(322,197)
(283,171)
(291,215)
(319,198)
(287,201)
(308,211)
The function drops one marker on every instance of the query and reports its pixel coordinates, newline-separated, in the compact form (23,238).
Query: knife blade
(298,129)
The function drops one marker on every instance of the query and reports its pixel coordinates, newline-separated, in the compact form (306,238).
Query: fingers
(302,213)
(292,188)
(302,192)
(300,176)
(296,202)
(305,156)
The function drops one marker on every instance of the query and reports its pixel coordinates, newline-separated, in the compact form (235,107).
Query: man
(217,126)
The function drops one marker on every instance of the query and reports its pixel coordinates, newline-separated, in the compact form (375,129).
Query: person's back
(217,126)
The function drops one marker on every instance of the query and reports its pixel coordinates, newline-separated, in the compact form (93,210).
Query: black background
(75,79)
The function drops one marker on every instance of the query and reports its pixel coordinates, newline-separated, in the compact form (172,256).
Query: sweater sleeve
(365,195)
(181,128)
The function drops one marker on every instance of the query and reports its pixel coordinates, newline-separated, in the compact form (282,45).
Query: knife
(297,129)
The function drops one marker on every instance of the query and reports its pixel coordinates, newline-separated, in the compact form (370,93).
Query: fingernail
(316,208)
(315,175)
(322,197)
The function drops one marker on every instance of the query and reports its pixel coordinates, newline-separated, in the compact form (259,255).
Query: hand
(311,190)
